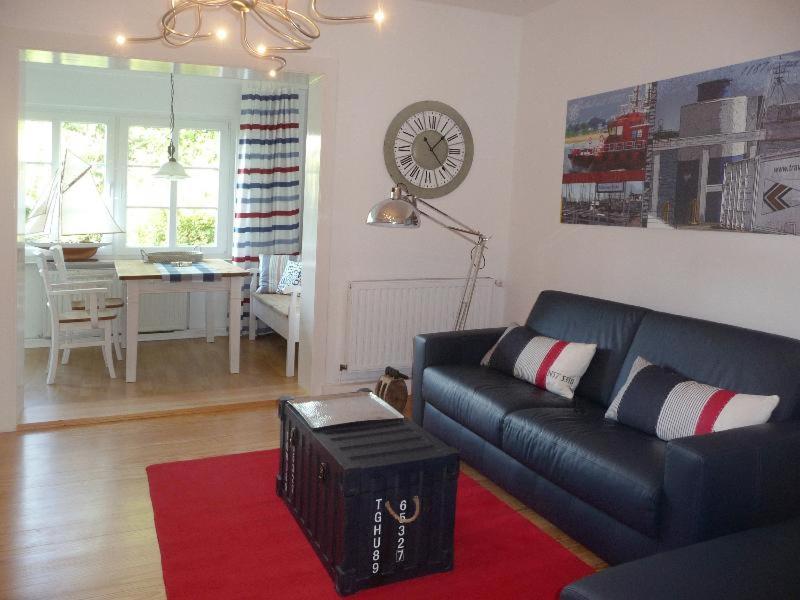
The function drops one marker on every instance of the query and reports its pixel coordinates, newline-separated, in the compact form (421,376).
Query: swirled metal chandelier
(295,30)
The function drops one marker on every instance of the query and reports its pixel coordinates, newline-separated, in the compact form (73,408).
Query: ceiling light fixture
(295,30)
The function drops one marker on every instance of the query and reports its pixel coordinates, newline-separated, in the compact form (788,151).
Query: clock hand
(431,148)
(439,142)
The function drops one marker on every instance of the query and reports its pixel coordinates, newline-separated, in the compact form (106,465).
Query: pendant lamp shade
(171,170)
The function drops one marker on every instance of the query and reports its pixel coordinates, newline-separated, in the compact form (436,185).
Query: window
(36,162)
(42,146)
(125,153)
(182,213)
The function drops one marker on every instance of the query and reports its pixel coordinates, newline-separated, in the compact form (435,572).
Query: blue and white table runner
(197,272)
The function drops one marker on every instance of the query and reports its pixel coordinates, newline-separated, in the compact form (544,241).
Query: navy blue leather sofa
(620,492)
(755,564)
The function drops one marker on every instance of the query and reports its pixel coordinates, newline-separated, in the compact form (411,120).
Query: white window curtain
(269,180)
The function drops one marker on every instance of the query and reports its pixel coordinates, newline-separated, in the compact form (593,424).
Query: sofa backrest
(741,360)
(575,318)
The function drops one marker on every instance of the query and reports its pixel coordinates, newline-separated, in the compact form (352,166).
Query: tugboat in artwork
(623,147)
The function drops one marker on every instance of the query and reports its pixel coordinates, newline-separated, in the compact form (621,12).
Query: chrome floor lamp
(402,210)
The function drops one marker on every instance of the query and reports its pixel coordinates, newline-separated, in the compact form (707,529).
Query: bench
(279,312)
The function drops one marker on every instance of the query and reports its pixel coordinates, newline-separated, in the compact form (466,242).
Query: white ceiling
(508,7)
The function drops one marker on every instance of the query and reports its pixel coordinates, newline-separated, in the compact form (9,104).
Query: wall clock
(429,148)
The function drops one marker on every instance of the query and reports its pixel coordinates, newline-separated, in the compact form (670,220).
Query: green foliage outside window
(196,228)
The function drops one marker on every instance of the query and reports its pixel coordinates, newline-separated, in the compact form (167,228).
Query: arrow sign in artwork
(779,196)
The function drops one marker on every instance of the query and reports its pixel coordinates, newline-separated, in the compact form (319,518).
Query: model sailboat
(73,210)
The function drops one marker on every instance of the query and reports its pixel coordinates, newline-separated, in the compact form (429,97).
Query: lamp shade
(171,170)
(394,213)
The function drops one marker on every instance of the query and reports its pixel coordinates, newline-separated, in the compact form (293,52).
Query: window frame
(56,118)
(117,165)
(226,182)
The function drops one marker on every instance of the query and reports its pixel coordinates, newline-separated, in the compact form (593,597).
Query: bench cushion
(479,398)
(612,467)
(278,302)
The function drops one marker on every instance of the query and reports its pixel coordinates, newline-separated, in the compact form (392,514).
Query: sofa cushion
(612,467)
(479,398)
(732,358)
(758,563)
(576,318)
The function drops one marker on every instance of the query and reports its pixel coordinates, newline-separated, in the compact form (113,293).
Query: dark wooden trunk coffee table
(373,493)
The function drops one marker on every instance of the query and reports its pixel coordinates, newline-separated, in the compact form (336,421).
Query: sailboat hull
(72,252)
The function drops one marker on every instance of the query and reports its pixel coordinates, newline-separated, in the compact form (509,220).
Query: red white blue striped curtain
(269,184)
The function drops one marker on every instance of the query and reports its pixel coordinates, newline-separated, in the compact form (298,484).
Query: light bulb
(273,73)
(221,34)
(379,16)
(120,39)
(262,49)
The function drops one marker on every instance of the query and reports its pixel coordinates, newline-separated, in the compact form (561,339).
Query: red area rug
(225,535)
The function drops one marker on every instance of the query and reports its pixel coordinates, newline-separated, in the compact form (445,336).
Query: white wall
(466,58)
(581,47)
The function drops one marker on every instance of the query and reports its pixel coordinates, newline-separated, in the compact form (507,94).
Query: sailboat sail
(74,205)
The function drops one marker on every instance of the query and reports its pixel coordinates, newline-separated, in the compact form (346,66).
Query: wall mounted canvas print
(715,150)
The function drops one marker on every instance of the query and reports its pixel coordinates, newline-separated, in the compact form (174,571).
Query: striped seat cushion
(663,403)
(550,364)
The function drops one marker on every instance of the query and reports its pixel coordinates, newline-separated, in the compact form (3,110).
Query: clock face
(429,148)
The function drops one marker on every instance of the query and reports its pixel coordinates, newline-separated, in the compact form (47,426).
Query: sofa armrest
(447,348)
(731,480)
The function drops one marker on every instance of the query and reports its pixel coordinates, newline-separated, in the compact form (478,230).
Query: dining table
(209,276)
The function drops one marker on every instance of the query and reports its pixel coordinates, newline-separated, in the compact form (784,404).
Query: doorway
(113,113)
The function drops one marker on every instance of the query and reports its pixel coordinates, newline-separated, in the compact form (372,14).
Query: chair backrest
(49,278)
(60,292)
(58,260)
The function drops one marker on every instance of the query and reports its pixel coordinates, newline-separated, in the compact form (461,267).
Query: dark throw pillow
(661,402)
(553,365)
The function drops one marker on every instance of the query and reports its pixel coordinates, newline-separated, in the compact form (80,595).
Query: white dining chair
(65,276)
(77,328)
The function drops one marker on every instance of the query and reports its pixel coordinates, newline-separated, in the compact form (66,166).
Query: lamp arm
(459,228)
(462,233)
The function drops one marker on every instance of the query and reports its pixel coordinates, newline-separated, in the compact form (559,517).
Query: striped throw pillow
(270,270)
(550,364)
(663,403)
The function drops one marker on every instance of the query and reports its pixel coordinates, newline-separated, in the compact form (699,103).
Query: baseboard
(153,414)
(187,334)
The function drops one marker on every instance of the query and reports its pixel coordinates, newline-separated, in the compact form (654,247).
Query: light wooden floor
(172,375)
(76,516)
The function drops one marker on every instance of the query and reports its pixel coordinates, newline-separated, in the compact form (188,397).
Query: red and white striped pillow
(550,364)
(663,403)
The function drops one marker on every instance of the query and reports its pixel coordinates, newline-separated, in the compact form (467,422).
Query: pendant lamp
(171,170)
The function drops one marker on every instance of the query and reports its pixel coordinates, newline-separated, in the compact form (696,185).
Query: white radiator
(163,312)
(384,316)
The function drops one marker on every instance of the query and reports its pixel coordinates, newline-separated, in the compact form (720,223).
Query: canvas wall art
(716,150)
